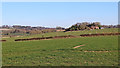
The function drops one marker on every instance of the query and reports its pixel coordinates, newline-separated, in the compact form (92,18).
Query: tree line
(18,29)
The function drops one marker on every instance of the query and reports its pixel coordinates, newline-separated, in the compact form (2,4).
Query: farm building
(94,27)
(60,30)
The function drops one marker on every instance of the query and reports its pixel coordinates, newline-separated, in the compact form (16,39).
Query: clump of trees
(83,26)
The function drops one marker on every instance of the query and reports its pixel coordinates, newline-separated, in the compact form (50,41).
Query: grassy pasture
(60,52)
(75,33)
(97,51)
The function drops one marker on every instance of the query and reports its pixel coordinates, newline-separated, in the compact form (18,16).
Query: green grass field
(75,33)
(97,51)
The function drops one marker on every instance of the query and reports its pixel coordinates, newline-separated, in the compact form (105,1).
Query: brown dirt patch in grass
(100,51)
(78,46)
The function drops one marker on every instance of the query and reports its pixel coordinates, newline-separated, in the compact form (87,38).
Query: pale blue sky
(52,14)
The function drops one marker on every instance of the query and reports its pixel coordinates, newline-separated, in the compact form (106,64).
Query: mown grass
(60,52)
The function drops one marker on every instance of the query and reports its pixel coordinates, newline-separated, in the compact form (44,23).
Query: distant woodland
(29,30)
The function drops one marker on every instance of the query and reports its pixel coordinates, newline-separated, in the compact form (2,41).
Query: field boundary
(69,36)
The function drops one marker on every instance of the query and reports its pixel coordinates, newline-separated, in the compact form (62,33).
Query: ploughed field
(79,51)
